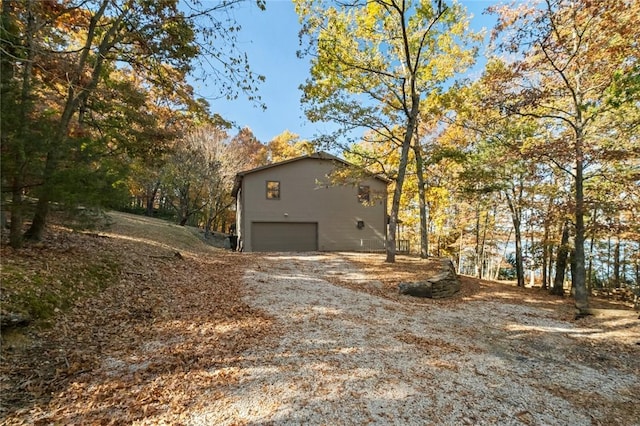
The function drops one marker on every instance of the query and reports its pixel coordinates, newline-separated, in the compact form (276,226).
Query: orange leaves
(164,333)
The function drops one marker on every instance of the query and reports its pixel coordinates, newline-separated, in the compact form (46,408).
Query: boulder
(442,285)
(419,289)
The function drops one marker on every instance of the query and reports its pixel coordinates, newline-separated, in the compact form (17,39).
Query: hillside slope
(98,299)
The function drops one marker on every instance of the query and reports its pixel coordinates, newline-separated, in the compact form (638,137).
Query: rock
(439,286)
(419,289)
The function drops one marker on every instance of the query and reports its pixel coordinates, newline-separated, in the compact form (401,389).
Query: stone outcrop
(442,285)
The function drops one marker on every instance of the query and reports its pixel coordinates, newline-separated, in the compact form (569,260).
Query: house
(296,206)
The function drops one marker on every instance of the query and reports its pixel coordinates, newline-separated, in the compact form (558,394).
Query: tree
(19,43)
(577,62)
(288,145)
(373,62)
(78,46)
(254,153)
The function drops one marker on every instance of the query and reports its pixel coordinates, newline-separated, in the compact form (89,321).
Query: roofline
(320,155)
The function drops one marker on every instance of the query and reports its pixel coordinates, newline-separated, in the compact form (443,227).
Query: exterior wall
(306,195)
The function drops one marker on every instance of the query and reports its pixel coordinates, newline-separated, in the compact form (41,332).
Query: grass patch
(44,279)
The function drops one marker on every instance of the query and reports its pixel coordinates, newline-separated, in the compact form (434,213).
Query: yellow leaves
(372,14)
(288,145)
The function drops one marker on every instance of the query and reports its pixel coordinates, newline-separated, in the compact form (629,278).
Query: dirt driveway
(343,356)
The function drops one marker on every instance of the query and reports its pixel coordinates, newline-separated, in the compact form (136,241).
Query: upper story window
(364,194)
(273,190)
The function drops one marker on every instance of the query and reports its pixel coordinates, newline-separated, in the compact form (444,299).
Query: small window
(363,194)
(273,190)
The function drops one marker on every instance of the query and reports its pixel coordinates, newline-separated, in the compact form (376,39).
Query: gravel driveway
(341,356)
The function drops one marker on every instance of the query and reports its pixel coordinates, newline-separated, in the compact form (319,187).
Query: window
(273,190)
(363,194)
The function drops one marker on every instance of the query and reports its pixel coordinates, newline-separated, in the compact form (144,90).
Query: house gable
(309,206)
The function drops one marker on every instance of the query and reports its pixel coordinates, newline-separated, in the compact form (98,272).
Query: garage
(284,236)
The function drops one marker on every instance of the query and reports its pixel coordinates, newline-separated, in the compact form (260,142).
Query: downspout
(243,219)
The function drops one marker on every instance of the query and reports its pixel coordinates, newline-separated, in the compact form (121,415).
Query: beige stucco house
(294,205)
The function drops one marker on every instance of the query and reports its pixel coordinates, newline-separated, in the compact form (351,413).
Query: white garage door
(284,236)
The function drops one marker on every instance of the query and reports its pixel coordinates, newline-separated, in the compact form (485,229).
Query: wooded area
(536,162)
(529,172)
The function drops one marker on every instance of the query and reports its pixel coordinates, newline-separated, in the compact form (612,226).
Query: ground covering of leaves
(168,328)
(411,269)
(162,324)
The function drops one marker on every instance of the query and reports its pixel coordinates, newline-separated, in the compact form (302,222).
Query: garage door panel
(284,236)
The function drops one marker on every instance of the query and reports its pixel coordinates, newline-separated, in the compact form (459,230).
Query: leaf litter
(214,337)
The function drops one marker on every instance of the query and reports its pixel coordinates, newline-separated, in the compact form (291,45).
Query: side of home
(294,206)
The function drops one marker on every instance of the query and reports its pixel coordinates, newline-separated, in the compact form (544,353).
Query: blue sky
(270,39)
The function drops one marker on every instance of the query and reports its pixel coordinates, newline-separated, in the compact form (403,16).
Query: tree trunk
(504,255)
(519,262)
(636,264)
(581,297)
(183,205)
(460,250)
(516,216)
(424,236)
(76,95)
(591,245)
(561,261)
(483,246)
(478,274)
(550,265)
(572,265)
(209,222)
(151,199)
(23,109)
(609,262)
(545,255)
(616,264)
(402,170)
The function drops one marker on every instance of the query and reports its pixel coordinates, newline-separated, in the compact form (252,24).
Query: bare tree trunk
(572,265)
(636,264)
